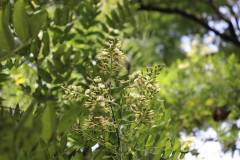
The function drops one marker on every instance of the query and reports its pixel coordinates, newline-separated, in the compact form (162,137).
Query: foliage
(160,25)
(202,91)
(68,91)
(61,95)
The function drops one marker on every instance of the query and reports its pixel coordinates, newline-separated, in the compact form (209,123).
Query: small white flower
(100,98)
(188,142)
(87,92)
(97,80)
(102,104)
(134,95)
(100,85)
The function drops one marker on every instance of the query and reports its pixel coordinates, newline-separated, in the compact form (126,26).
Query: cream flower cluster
(112,102)
(111,59)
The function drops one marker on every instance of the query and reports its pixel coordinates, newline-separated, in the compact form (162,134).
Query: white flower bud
(100,85)
(87,92)
(100,98)
(97,80)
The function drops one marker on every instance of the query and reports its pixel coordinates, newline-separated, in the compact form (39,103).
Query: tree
(159,25)
(162,24)
(202,92)
(221,19)
(71,90)
(64,90)
(202,13)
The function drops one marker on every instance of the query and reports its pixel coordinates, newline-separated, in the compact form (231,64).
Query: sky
(210,150)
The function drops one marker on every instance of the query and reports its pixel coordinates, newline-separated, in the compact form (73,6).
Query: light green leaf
(149,143)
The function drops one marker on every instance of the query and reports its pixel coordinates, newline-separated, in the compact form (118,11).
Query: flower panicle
(111,58)
(72,93)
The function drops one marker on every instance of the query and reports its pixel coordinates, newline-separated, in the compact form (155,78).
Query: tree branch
(189,16)
(221,16)
(235,15)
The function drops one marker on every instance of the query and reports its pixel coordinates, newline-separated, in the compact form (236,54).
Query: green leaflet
(27,120)
(38,21)
(48,122)
(44,75)
(46,41)
(27,26)
(20,21)
(6,37)
(68,118)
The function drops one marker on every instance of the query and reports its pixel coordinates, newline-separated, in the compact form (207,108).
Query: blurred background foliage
(48,44)
(207,90)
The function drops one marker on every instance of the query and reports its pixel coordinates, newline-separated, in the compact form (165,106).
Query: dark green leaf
(44,75)
(37,21)
(48,122)
(20,21)
(6,37)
